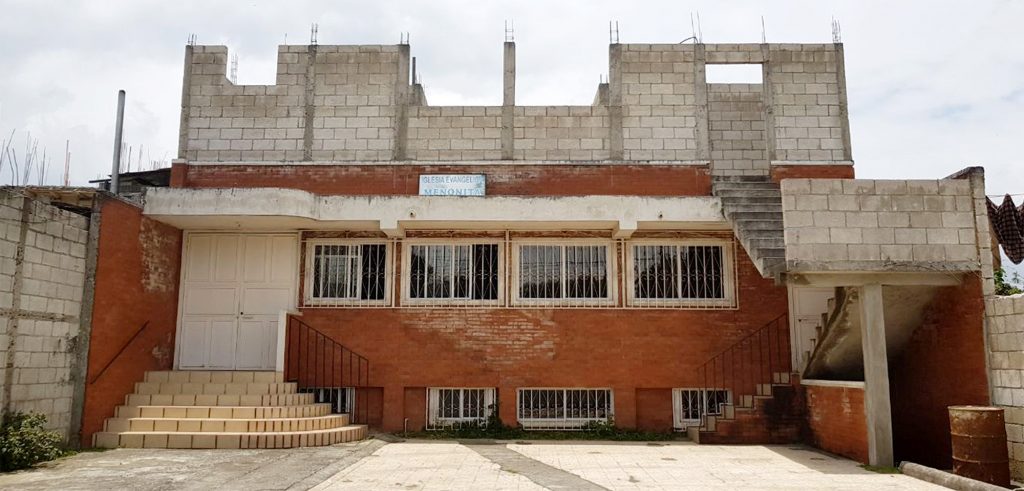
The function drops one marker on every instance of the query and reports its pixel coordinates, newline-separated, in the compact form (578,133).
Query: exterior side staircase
(229,409)
(753,205)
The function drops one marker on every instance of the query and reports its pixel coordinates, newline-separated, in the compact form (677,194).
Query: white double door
(233,288)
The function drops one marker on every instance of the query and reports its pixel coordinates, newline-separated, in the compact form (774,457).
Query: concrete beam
(289,209)
(828,279)
(876,376)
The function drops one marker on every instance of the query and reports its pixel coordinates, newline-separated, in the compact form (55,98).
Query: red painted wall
(137,273)
(780,172)
(942,365)
(836,421)
(502,180)
(622,349)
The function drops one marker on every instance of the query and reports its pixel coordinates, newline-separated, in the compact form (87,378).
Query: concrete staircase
(753,205)
(201,409)
(772,415)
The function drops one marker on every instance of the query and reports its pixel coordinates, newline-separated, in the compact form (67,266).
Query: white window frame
(612,276)
(679,423)
(728,276)
(435,421)
(407,299)
(307,290)
(565,423)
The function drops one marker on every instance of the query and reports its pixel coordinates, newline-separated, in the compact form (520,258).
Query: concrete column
(615,102)
(307,128)
(876,376)
(186,96)
(701,92)
(768,102)
(508,102)
(844,116)
(401,104)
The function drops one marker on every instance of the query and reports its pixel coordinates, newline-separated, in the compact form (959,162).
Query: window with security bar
(689,406)
(340,273)
(453,274)
(454,407)
(565,275)
(695,275)
(564,409)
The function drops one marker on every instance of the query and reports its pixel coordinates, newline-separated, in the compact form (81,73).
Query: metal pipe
(115,172)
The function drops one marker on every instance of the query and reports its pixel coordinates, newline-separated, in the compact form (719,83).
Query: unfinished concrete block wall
(359,104)
(659,102)
(561,133)
(808,99)
(454,133)
(354,101)
(1005,316)
(737,129)
(867,225)
(42,275)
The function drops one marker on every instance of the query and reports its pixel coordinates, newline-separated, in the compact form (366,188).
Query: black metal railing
(315,361)
(738,370)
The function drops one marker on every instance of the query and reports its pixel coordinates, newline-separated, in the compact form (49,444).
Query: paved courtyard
(469,465)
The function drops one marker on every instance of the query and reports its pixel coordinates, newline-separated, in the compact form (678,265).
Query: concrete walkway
(447,465)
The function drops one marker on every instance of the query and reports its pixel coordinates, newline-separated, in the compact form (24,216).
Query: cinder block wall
(356,104)
(1006,371)
(42,273)
(874,225)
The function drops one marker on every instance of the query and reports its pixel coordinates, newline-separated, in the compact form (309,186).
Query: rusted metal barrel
(979,444)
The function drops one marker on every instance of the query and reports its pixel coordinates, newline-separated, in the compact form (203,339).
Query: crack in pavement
(540,473)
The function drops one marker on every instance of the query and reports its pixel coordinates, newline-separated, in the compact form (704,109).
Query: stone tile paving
(686,466)
(468,465)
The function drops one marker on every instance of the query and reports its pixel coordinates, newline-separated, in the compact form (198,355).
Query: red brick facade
(836,421)
(640,353)
(831,171)
(137,271)
(942,365)
(502,180)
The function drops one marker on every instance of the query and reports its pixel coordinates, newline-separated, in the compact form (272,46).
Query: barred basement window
(453,273)
(458,407)
(690,405)
(563,409)
(341,399)
(562,274)
(340,273)
(695,275)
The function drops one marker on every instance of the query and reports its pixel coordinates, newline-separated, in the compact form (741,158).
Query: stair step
(744,185)
(217,377)
(756,215)
(750,200)
(218,400)
(231,425)
(781,377)
(224,412)
(758,178)
(196,388)
(286,439)
(744,224)
(726,193)
(763,242)
(770,252)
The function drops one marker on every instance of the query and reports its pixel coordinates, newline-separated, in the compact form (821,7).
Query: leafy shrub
(24,442)
(1004,286)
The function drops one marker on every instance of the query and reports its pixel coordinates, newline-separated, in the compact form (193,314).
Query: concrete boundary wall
(42,275)
(1006,371)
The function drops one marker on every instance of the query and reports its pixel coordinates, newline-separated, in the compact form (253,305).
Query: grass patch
(880,469)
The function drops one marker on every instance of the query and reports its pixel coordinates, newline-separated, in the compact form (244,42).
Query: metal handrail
(119,353)
(751,361)
(315,360)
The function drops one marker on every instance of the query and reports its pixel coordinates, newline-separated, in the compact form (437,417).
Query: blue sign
(452,185)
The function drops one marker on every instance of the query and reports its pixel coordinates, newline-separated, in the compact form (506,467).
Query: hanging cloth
(1008,222)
